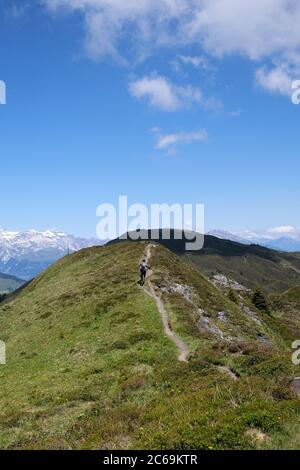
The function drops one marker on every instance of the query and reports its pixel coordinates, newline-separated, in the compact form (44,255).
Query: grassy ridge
(89,366)
(211,410)
(80,339)
(250,265)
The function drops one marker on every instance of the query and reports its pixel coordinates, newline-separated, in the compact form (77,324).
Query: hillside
(89,364)
(9,283)
(249,265)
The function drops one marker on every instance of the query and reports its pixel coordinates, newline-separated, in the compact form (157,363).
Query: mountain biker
(143,271)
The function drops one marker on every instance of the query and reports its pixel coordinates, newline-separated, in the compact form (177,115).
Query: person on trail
(143,271)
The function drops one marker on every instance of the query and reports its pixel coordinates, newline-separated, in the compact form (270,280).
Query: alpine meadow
(149,232)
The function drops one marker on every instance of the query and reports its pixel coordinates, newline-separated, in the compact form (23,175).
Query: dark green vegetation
(259,300)
(89,365)
(285,308)
(9,283)
(250,265)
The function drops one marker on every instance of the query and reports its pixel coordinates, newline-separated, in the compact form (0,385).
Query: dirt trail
(183,348)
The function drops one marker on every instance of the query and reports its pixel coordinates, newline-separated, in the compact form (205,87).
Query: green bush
(259,300)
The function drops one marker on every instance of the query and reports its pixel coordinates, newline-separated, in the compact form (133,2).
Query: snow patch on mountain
(225,235)
(285,238)
(25,254)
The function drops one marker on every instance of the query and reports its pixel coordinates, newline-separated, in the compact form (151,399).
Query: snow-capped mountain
(25,254)
(284,238)
(225,235)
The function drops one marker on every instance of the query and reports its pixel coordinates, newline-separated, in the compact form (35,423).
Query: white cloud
(213,105)
(161,93)
(261,30)
(157,91)
(277,79)
(289,230)
(198,62)
(144,23)
(255,28)
(165,141)
(195,61)
(155,130)
(272,233)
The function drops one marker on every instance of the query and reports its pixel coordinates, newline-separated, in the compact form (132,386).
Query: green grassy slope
(250,265)
(9,283)
(89,365)
(290,297)
(286,312)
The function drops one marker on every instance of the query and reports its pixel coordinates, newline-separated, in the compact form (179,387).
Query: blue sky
(157,101)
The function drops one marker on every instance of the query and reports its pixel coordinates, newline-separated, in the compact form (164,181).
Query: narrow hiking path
(183,348)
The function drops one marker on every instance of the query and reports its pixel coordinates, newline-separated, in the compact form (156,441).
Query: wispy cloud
(17,10)
(274,233)
(285,230)
(145,23)
(161,93)
(197,62)
(278,78)
(235,113)
(252,27)
(171,141)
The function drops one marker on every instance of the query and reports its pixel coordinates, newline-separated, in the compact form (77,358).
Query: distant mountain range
(9,283)
(286,238)
(26,254)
